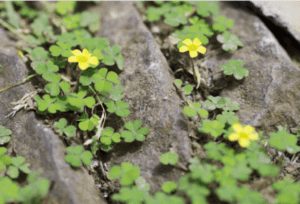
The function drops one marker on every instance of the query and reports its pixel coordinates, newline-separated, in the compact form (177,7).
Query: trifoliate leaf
(229,41)
(222,23)
(175,19)
(65,86)
(169,158)
(52,89)
(4,135)
(39,53)
(234,67)
(62,7)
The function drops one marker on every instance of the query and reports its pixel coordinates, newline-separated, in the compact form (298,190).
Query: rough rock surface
(40,146)
(284,14)
(148,88)
(270,95)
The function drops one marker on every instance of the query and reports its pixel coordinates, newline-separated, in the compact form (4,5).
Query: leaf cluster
(127,172)
(235,67)
(134,131)
(193,109)
(62,128)
(230,41)
(187,88)
(4,135)
(76,156)
(169,158)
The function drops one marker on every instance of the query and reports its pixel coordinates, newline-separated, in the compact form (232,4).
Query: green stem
(9,27)
(21,82)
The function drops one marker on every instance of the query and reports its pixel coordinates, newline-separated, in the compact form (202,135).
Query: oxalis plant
(72,68)
(235,154)
(75,69)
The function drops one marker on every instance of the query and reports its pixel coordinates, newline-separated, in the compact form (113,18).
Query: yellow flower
(243,134)
(84,59)
(194,47)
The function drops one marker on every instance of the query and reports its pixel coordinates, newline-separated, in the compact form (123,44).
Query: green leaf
(234,67)
(9,190)
(113,77)
(222,23)
(141,184)
(32,40)
(13,172)
(215,128)
(89,101)
(75,150)
(103,86)
(205,8)
(284,141)
(169,158)
(55,50)
(178,82)
(86,157)
(4,135)
(116,93)
(114,172)
(154,13)
(27,11)
(193,109)
(190,112)
(128,136)
(62,7)
(169,186)
(13,17)
(65,86)
(88,18)
(175,19)
(72,159)
(52,89)
(120,61)
(97,53)
(188,89)
(39,53)
(229,41)
(86,125)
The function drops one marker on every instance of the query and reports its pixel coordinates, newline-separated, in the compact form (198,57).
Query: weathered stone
(270,95)
(284,14)
(148,88)
(40,146)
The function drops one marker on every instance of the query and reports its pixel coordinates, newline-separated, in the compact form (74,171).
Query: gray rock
(270,95)
(40,146)
(148,88)
(284,14)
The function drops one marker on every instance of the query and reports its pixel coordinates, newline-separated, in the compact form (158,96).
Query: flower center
(243,135)
(82,58)
(193,47)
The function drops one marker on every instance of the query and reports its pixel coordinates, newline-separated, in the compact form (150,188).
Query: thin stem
(77,80)
(9,27)
(21,82)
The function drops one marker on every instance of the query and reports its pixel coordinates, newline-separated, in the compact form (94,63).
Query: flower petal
(201,49)
(253,136)
(244,142)
(183,48)
(83,65)
(72,59)
(237,127)
(248,129)
(233,136)
(187,41)
(86,52)
(76,52)
(193,54)
(197,42)
(93,60)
